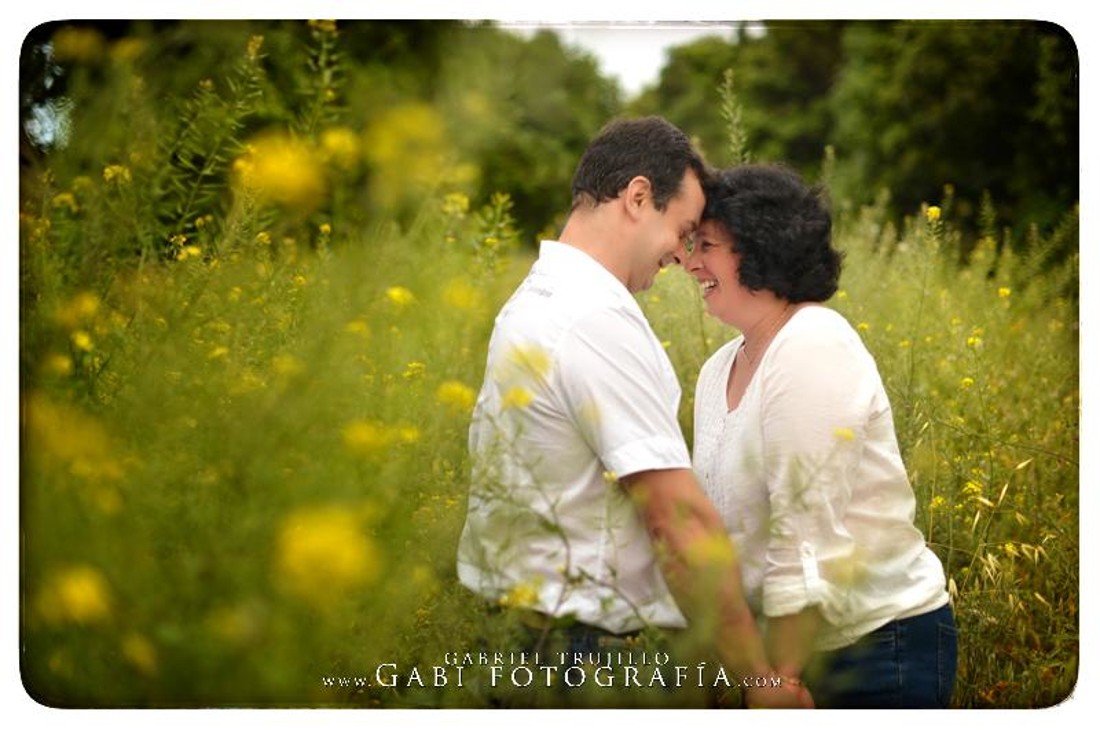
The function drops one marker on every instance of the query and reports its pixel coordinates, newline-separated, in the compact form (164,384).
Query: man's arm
(700,566)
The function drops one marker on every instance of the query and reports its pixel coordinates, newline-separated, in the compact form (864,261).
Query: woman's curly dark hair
(780,227)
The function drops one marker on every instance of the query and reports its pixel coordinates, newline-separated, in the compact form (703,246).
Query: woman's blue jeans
(910,663)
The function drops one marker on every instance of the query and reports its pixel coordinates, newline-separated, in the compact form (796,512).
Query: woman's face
(715,266)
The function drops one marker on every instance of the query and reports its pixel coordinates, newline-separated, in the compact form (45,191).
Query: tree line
(988,110)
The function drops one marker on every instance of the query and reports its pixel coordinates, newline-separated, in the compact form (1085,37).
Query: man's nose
(681,255)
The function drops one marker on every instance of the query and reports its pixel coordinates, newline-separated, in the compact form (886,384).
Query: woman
(795,444)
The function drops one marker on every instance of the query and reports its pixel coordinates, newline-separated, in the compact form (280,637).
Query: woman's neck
(760,334)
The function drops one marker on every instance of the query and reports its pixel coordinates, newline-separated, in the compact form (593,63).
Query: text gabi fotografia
(532,669)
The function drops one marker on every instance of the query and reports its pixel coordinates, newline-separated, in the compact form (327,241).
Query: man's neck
(589,231)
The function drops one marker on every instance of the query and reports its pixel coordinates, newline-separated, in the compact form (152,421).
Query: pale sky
(633,52)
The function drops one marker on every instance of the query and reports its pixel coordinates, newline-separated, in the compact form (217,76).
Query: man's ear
(638,191)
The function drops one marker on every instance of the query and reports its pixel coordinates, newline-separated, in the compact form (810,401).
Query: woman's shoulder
(819,334)
(820,323)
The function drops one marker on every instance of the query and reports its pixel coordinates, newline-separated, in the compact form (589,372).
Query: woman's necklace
(776,324)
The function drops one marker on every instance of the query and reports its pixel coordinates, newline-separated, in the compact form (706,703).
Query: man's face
(663,232)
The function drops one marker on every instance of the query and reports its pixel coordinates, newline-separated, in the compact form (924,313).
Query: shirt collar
(557,257)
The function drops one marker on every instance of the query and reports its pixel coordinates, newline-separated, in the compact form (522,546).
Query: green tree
(782,78)
(982,106)
(524,110)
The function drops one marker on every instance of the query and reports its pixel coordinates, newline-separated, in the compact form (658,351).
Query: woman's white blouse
(807,476)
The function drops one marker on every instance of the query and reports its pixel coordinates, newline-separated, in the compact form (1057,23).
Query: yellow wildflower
(287,366)
(324,26)
(325,229)
(118,174)
(63,437)
(127,49)
(1004,292)
(341,146)
(263,238)
(358,327)
(933,213)
(532,361)
(236,624)
(81,308)
(456,395)
(82,341)
(937,502)
(407,434)
(863,326)
(140,652)
(967,382)
(714,550)
(400,296)
(517,397)
(456,205)
(366,438)
(75,43)
(283,169)
(255,43)
(521,595)
(414,369)
(78,594)
(844,434)
(66,200)
(188,252)
(58,364)
(460,294)
(322,550)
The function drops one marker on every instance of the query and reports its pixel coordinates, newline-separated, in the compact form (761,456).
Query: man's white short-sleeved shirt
(577,392)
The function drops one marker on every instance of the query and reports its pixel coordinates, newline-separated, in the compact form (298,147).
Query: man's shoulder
(559,302)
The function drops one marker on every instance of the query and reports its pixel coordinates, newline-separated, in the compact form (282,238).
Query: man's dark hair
(780,227)
(650,146)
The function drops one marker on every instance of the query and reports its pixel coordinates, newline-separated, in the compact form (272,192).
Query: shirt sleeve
(621,391)
(819,393)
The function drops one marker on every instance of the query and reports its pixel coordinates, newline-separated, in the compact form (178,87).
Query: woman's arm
(790,640)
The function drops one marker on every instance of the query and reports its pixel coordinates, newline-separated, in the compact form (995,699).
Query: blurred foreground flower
(517,397)
(75,43)
(62,438)
(140,652)
(456,395)
(342,147)
(282,169)
(322,550)
(78,594)
(400,296)
(460,294)
(522,595)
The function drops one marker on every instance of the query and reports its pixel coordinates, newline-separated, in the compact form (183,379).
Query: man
(583,504)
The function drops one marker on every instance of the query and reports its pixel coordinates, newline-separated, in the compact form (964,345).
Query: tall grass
(244,413)
(981,366)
